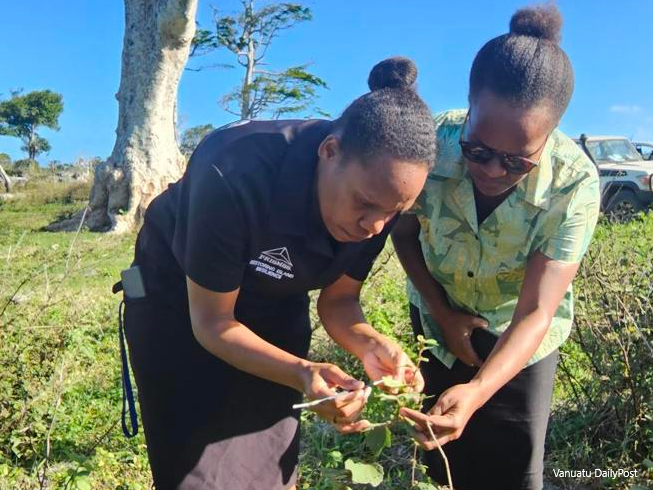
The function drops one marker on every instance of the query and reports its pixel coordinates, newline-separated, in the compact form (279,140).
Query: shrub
(604,415)
(26,168)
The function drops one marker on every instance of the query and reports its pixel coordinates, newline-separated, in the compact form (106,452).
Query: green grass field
(60,396)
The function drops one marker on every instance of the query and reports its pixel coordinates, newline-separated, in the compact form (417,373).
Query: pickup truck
(625,177)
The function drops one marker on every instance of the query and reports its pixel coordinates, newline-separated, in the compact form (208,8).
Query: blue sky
(74,47)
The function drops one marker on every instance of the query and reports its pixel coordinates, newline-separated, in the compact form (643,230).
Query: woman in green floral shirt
(491,250)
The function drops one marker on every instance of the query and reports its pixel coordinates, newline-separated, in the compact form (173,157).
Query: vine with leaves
(379,435)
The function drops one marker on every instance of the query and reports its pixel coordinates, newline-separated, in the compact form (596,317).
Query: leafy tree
(248,36)
(191,137)
(21,116)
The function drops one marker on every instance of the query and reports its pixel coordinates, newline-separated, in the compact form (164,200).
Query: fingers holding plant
(337,397)
(386,359)
(447,419)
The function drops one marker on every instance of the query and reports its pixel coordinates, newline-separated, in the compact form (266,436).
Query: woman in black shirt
(265,212)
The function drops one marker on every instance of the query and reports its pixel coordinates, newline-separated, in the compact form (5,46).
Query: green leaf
(82,483)
(390,382)
(648,463)
(386,397)
(365,473)
(335,456)
(425,486)
(378,439)
(405,398)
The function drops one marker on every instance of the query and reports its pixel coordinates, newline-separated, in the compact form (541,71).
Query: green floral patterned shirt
(553,210)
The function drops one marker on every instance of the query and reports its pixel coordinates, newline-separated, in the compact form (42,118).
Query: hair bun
(397,72)
(541,21)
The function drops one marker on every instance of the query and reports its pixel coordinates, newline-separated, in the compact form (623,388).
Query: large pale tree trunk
(5,182)
(145,158)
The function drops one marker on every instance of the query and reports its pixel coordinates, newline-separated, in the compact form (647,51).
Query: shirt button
(470,274)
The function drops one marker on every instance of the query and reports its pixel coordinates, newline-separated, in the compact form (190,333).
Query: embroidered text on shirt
(274,263)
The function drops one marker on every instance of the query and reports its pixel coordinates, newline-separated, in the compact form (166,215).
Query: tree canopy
(191,137)
(22,115)
(248,35)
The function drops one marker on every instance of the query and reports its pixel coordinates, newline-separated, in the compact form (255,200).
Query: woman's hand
(447,418)
(457,328)
(386,358)
(320,380)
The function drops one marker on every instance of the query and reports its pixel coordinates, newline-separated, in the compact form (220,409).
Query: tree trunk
(145,157)
(31,144)
(4,180)
(246,105)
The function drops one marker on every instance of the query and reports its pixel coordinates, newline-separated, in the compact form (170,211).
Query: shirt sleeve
(572,230)
(362,265)
(211,238)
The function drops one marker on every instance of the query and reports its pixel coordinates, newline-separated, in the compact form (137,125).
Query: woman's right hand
(457,328)
(320,380)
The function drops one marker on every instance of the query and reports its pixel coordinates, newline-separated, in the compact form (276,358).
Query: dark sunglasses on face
(479,153)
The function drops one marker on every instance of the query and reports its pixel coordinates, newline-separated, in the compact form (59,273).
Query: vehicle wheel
(622,206)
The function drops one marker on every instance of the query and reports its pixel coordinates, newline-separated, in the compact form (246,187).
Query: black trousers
(208,425)
(502,446)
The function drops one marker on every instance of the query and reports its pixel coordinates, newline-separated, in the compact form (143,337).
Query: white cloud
(625,109)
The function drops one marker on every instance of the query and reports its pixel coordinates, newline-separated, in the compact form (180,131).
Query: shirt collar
(295,206)
(536,187)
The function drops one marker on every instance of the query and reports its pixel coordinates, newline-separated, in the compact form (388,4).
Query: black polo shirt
(245,214)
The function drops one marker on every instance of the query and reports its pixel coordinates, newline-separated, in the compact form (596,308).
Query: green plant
(25,167)
(602,414)
(379,435)
(52,319)
(248,35)
(22,115)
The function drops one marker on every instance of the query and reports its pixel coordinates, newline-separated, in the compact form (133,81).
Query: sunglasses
(479,153)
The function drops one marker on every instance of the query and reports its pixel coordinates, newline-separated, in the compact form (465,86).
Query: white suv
(626,186)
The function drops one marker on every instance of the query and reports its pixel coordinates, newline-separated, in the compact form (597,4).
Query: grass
(60,378)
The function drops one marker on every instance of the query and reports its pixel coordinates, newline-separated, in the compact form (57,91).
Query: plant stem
(413,482)
(313,403)
(444,456)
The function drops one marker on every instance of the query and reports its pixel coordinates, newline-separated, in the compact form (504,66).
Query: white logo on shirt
(275,263)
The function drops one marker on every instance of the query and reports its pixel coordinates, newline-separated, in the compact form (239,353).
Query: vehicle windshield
(614,151)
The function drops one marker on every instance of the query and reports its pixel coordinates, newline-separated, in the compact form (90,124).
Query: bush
(26,168)
(604,415)
(46,191)
(5,161)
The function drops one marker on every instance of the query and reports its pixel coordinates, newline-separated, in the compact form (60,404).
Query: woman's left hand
(447,418)
(386,358)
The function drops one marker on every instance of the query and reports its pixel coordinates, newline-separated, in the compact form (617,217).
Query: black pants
(208,425)
(502,446)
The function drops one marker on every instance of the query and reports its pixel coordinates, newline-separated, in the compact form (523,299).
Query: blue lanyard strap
(127,391)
